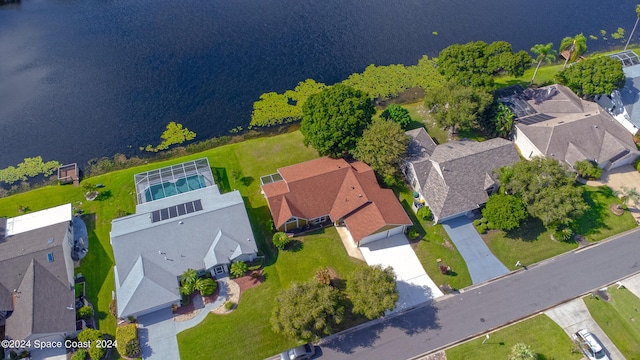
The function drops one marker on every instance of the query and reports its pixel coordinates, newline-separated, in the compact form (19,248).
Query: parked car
(590,346)
(302,352)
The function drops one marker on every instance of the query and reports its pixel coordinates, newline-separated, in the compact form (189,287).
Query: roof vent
(595,126)
(50,241)
(50,257)
(359,195)
(180,222)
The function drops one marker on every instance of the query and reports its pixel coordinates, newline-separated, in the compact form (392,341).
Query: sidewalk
(158,330)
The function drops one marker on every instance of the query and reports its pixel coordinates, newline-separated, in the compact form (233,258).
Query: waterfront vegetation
(618,319)
(544,336)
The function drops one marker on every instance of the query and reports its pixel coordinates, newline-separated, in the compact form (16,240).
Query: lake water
(82,79)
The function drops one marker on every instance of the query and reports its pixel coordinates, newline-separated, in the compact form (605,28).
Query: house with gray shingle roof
(37,298)
(554,122)
(176,227)
(456,177)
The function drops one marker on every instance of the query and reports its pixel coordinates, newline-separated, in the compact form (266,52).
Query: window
(319,220)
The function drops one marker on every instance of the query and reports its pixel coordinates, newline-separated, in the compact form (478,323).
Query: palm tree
(628,195)
(188,281)
(205,286)
(521,351)
(576,46)
(544,53)
(634,26)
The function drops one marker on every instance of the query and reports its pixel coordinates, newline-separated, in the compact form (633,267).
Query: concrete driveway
(482,264)
(414,285)
(626,176)
(574,316)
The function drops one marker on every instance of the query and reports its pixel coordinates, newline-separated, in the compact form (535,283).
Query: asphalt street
(492,305)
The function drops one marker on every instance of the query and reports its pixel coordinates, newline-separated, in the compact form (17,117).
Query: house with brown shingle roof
(554,122)
(335,191)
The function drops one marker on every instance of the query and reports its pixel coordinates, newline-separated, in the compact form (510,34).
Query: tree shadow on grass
(294,246)
(222,179)
(528,231)
(258,218)
(592,220)
(95,267)
(414,219)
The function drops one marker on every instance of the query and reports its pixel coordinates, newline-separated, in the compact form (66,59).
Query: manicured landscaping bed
(532,242)
(619,319)
(435,244)
(246,333)
(546,338)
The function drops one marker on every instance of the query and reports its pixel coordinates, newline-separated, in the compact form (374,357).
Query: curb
(523,318)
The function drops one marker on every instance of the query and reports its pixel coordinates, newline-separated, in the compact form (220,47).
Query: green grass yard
(532,242)
(246,333)
(436,244)
(546,338)
(619,319)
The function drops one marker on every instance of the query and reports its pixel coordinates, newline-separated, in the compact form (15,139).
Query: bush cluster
(238,269)
(85,312)
(425,213)
(127,338)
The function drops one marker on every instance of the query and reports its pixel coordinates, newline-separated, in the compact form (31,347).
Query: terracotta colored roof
(336,188)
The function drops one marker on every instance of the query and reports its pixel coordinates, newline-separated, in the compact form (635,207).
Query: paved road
(502,301)
(481,262)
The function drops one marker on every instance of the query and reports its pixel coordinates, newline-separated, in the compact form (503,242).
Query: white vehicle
(590,346)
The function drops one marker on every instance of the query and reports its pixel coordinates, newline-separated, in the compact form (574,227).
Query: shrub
(477,222)
(133,349)
(280,240)
(638,165)
(323,276)
(92,336)
(588,169)
(81,354)
(425,213)
(238,269)
(563,234)
(229,305)
(113,308)
(413,233)
(482,228)
(124,336)
(85,312)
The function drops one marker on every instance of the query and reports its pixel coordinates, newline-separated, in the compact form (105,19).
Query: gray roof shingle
(454,176)
(174,245)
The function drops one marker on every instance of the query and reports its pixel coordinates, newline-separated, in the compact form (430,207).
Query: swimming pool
(170,188)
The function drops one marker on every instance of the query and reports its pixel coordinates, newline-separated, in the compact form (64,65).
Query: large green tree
(93,337)
(475,63)
(548,190)
(334,119)
(575,46)
(382,145)
(544,53)
(456,106)
(307,311)
(372,290)
(505,212)
(593,76)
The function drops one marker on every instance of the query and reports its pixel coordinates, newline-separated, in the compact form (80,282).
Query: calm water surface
(82,79)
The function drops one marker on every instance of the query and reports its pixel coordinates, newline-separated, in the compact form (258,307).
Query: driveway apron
(482,264)
(574,316)
(414,285)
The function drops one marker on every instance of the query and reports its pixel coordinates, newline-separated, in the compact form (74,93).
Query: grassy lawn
(420,118)
(543,77)
(546,338)
(619,319)
(599,222)
(532,242)
(250,159)
(246,333)
(436,244)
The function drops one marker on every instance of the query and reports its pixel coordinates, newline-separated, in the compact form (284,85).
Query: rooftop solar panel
(198,205)
(534,119)
(177,210)
(181,209)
